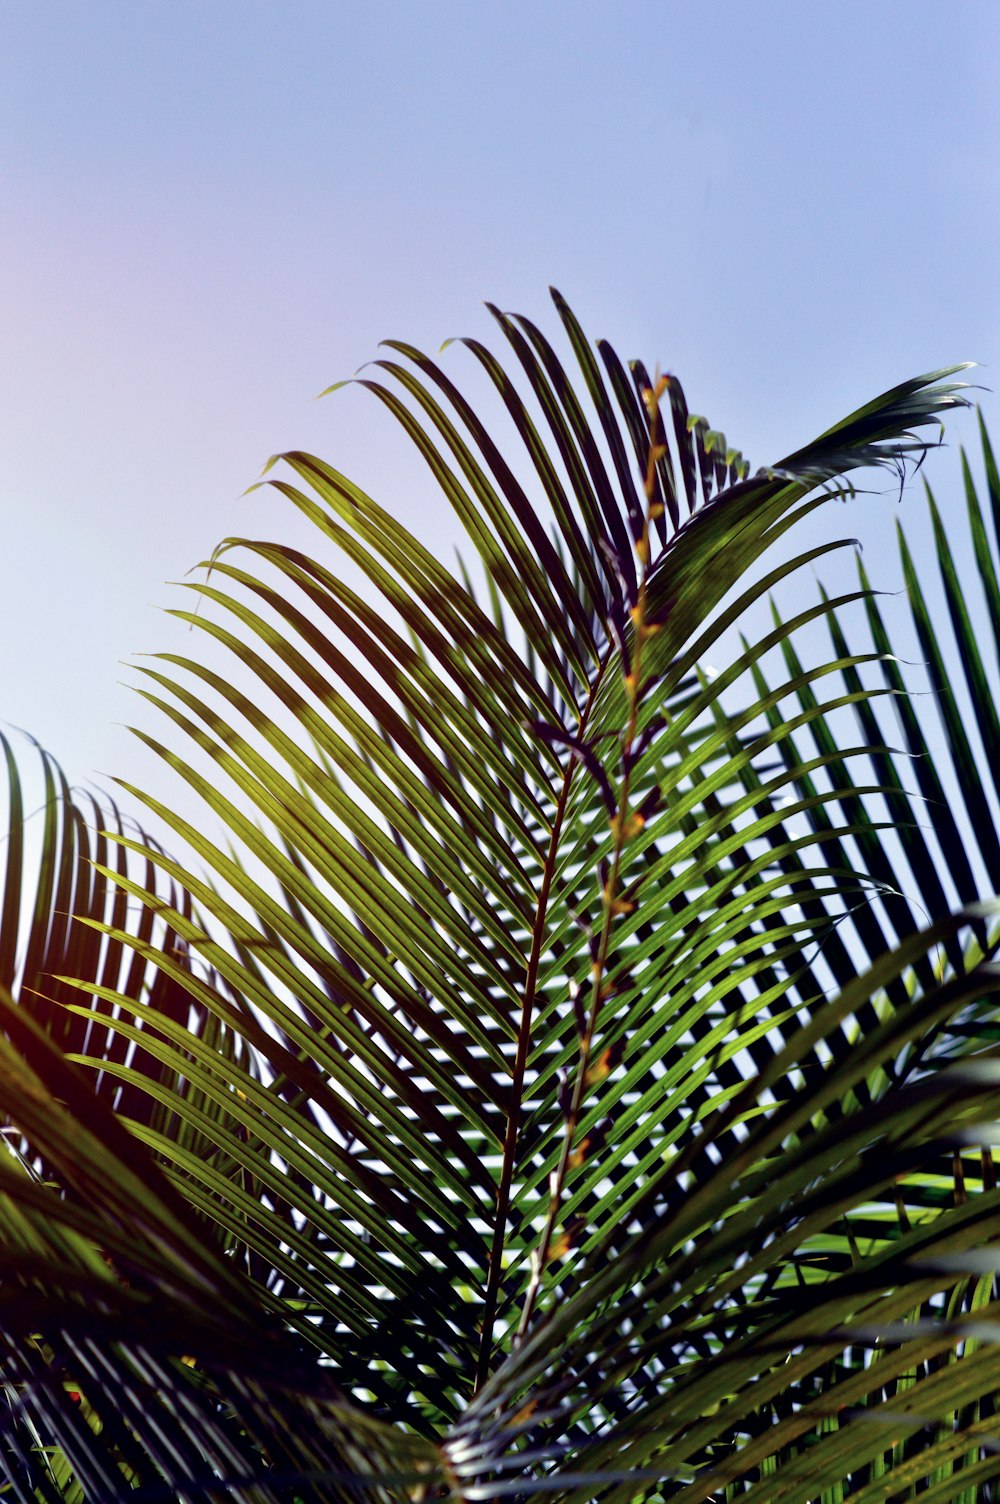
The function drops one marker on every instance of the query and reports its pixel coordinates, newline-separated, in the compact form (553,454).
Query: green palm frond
(62,876)
(535,1077)
(136,1358)
(932,736)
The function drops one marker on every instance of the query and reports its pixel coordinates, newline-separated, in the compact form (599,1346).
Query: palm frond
(524,1082)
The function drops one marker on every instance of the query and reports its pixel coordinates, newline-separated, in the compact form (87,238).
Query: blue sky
(210,211)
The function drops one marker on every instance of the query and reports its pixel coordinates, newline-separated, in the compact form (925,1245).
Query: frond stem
(521,1057)
(621,826)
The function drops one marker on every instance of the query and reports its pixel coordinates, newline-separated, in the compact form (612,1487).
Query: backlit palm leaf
(533,1085)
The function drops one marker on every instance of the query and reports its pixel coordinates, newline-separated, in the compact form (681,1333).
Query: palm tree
(568,1073)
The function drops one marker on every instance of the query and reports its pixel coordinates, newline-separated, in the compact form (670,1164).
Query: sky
(211,211)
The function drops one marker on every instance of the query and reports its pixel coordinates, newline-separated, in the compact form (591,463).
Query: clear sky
(211,210)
